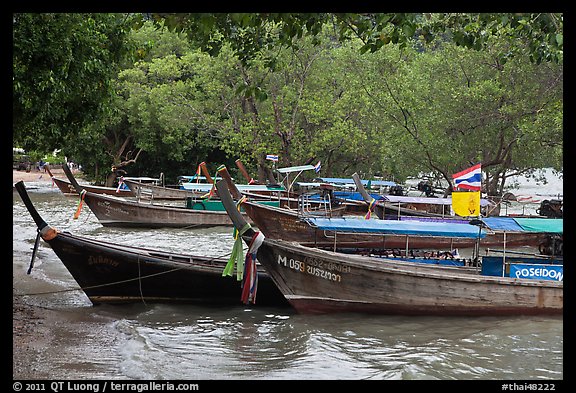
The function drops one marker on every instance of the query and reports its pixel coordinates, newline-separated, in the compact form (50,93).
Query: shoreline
(31,324)
(37,330)
(35,175)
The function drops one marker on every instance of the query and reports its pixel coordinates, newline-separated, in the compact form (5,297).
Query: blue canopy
(340,180)
(546,225)
(189,179)
(395,227)
(525,224)
(354,195)
(507,224)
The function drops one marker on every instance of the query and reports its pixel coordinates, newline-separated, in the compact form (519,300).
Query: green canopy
(546,225)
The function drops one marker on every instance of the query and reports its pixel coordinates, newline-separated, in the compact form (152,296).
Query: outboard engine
(553,245)
(551,208)
(396,190)
(426,188)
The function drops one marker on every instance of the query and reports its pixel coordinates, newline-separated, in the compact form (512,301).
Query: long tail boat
(316,280)
(112,211)
(113,273)
(146,190)
(292,225)
(154,192)
(68,189)
(397,206)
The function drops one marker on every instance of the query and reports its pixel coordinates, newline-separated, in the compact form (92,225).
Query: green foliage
(62,68)
(380,94)
(394,113)
(452,107)
(250,35)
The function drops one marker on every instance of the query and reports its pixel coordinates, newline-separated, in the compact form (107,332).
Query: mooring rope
(140,282)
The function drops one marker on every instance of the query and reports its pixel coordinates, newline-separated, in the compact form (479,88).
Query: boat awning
(507,224)
(528,224)
(395,227)
(427,200)
(143,179)
(354,195)
(545,225)
(291,169)
(241,187)
(338,180)
(308,184)
(188,179)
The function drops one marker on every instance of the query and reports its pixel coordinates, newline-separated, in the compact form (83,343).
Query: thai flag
(272,157)
(317,167)
(469,179)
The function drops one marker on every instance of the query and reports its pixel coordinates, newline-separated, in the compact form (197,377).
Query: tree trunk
(110,179)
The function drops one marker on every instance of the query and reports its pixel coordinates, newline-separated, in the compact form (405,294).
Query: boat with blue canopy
(350,182)
(329,280)
(418,232)
(395,227)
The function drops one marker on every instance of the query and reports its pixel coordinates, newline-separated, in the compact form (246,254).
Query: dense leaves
(537,35)
(62,68)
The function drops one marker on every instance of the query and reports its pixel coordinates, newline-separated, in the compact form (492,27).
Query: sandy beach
(36,176)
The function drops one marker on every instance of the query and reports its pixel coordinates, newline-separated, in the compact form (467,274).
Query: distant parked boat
(113,211)
(155,192)
(68,189)
(412,232)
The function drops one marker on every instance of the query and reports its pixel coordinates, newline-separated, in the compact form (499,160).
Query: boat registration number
(328,271)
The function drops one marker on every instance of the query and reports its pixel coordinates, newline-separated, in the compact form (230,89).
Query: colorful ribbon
(369,214)
(212,191)
(120,182)
(250,282)
(79,208)
(198,172)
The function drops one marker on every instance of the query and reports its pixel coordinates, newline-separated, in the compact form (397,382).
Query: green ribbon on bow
(237,255)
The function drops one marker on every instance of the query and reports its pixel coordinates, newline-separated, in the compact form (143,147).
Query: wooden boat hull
(317,281)
(287,225)
(116,212)
(110,273)
(68,189)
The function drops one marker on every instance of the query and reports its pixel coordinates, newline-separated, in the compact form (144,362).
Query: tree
(367,113)
(538,37)
(174,105)
(157,114)
(63,65)
(452,107)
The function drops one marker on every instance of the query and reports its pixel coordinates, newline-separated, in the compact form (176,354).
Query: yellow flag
(465,203)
